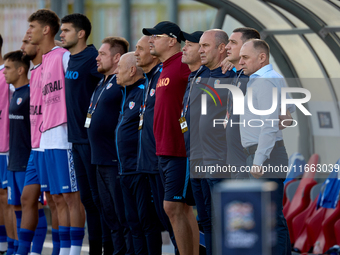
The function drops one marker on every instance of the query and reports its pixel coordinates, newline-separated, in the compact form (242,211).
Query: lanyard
(101,92)
(187,103)
(148,89)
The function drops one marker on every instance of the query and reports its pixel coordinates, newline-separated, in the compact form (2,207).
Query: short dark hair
(46,17)
(79,22)
(247,33)
(18,58)
(119,43)
(1,42)
(259,44)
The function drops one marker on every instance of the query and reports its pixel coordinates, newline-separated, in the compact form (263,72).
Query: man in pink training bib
(44,24)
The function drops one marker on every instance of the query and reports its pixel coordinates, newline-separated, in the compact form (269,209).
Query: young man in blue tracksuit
(147,158)
(16,68)
(191,112)
(139,210)
(81,79)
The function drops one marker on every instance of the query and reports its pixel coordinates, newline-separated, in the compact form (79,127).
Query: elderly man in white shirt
(260,134)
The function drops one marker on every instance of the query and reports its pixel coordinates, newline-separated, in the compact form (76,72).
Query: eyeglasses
(158,36)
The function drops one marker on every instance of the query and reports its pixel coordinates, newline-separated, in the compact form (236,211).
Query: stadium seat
(319,227)
(310,233)
(301,198)
(327,236)
(296,164)
(299,221)
(284,200)
(296,169)
(337,231)
(290,188)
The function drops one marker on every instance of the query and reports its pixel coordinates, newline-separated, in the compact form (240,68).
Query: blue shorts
(175,175)
(36,171)
(3,171)
(16,181)
(60,171)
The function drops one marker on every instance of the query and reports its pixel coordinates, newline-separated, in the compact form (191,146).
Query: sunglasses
(158,36)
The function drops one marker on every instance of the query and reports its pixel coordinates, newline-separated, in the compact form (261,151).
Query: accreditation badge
(88,120)
(140,122)
(184,125)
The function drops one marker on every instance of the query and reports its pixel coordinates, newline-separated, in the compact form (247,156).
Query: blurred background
(304,36)
(109,17)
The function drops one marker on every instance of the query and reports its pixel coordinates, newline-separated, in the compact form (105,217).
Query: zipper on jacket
(122,113)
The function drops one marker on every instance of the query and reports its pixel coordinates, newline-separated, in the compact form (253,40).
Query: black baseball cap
(164,27)
(193,37)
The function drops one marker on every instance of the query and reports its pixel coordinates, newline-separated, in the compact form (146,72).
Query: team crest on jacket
(217,82)
(198,79)
(131,105)
(152,92)
(19,100)
(109,86)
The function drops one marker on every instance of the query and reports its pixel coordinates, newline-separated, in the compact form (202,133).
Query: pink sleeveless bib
(35,106)
(4,115)
(53,89)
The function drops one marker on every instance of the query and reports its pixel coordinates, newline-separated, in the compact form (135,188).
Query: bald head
(130,61)
(127,71)
(212,48)
(220,36)
(254,55)
(144,39)
(143,56)
(260,46)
